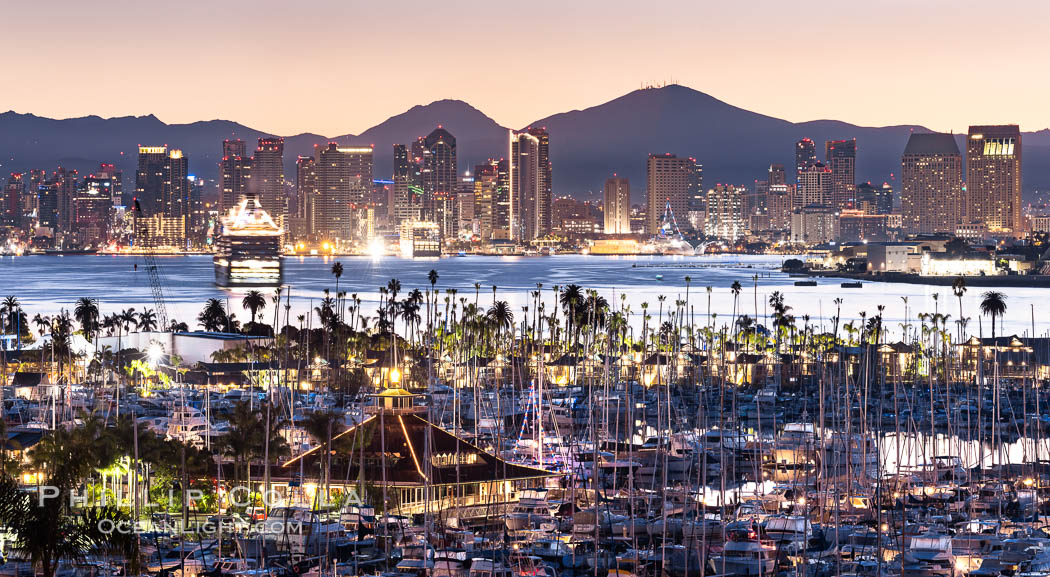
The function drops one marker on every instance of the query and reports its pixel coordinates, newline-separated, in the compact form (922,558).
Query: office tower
(66,181)
(779,204)
(11,203)
(407,191)
(669,181)
(92,212)
(196,218)
(47,206)
(873,199)
(696,205)
(162,190)
(306,196)
(465,209)
(931,184)
(267,177)
(840,156)
(755,206)
(777,175)
(617,205)
(344,181)
(115,176)
(726,218)
(235,171)
(150,178)
(29,201)
(814,186)
(993,178)
(814,224)
(530,181)
(438,175)
(805,155)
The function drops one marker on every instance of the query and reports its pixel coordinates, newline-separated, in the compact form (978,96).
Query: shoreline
(1029,281)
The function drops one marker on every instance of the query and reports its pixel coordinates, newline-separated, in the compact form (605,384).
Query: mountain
(734,145)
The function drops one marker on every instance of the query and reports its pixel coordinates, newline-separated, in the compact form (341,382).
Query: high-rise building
(162,190)
(235,171)
(931,184)
(840,156)
(777,175)
(92,212)
(344,181)
(29,203)
(726,218)
(814,224)
(465,209)
(814,186)
(47,205)
(779,204)
(805,155)
(11,202)
(439,178)
(267,177)
(492,200)
(617,205)
(669,181)
(306,196)
(116,182)
(872,199)
(993,178)
(530,182)
(407,193)
(66,180)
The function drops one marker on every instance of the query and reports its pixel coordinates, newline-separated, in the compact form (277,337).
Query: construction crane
(142,237)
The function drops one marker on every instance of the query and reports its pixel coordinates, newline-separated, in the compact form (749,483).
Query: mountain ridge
(734,144)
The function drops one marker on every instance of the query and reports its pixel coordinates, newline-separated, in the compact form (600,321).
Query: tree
(147,320)
(213,317)
(86,313)
(11,311)
(959,289)
(501,316)
(49,531)
(254,301)
(993,304)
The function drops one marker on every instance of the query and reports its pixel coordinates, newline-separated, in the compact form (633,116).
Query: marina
(445,431)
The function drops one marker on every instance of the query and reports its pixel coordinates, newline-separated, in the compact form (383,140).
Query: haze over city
(339,67)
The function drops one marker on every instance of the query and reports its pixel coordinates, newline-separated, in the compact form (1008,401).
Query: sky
(341,66)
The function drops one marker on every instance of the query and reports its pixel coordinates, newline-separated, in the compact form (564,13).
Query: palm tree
(213,317)
(254,300)
(501,316)
(959,288)
(993,304)
(50,531)
(9,309)
(43,323)
(86,313)
(147,320)
(129,319)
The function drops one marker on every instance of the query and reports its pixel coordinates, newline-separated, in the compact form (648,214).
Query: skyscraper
(814,186)
(66,182)
(267,177)
(617,205)
(993,178)
(407,192)
(92,212)
(777,175)
(11,201)
(530,182)
(805,155)
(931,184)
(162,189)
(439,177)
(344,181)
(726,218)
(840,156)
(492,199)
(872,199)
(47,205)
(669,181)
(234,173)
(306,196)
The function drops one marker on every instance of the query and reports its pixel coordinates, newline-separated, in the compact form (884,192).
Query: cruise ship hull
(233,272)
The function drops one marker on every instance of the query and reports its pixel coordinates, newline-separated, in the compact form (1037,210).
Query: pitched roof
(931,143)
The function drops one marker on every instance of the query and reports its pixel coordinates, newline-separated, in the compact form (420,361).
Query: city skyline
(585,74)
